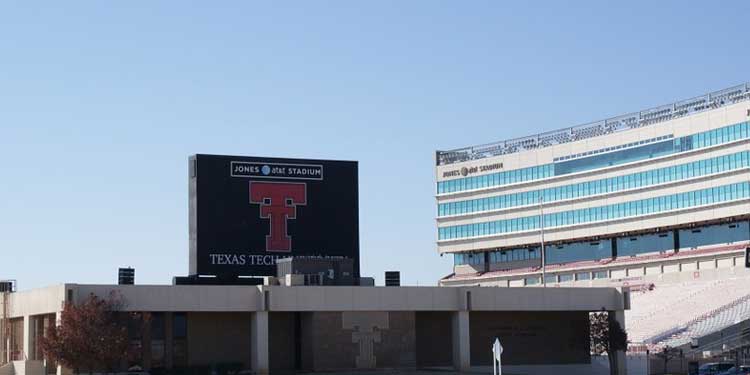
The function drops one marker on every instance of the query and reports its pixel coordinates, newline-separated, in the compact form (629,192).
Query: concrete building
(638,196)
(282,329)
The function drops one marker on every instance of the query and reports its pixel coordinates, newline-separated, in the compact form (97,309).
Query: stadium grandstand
(657,201)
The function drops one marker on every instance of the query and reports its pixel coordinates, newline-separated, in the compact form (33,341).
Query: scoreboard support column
(260,361)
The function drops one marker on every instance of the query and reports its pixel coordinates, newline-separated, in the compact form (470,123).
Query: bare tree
(607,336)
(91,335)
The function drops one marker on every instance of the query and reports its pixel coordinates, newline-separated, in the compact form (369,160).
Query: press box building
(628,200)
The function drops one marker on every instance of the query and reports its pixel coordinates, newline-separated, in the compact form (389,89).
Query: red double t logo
(278,202)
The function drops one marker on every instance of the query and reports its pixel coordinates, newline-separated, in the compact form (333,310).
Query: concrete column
(57,319)
(621,358)
(168,337)
(146,343)
(28,337)
(259,358)
(461,341)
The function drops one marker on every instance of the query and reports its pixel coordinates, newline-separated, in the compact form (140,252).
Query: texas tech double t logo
(278,202)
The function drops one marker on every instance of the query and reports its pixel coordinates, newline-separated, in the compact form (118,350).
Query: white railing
(716,99)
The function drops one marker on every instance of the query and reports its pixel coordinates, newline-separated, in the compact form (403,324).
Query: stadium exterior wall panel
(718,267)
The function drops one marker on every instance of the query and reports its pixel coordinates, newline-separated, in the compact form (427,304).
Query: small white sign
(497,351)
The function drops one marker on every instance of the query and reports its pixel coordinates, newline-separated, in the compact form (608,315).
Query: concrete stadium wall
(28,368)
(673,366)
(360,340)
(469,268)
(219,338)
(30,302)
(637,364)
(676,270)
(441,299)
(404,339)
(563,335)
(175,297)
(322,298)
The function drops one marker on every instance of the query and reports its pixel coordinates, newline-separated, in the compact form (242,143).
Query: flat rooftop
(216,298)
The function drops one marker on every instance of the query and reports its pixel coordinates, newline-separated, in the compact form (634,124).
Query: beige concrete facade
(234,323)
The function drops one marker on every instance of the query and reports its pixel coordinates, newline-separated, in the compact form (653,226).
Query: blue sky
(101,103)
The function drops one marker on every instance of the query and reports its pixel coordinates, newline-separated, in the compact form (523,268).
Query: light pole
(541,230)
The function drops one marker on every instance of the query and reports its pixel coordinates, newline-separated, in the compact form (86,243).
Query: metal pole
(541,226)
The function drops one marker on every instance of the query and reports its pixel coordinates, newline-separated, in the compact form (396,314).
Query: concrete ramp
(27,368)
(7,369)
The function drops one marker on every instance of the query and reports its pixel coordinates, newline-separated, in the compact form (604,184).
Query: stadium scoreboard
(248,212)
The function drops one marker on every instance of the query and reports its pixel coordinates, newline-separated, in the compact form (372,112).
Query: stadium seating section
(672,314)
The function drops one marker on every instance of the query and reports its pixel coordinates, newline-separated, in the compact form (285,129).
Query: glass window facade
(645,151)
(602,213)
(460,259)
(601,275)
(135,338)
(513,255)
(179,340)
(710,235)
(649,243)
(496,179)
(716,234)
(614,148)
(654,150)
(579,251)
(531,281)
(680,172)
(157,339)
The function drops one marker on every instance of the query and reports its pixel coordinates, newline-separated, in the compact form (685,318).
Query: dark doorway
(434,339)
